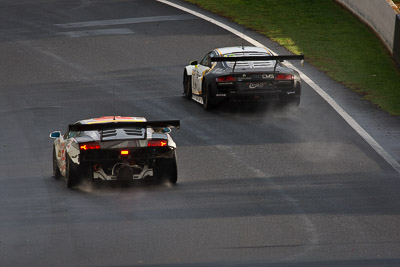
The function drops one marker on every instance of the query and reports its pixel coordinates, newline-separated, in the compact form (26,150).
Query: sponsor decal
(264,76)
(268,76)
(256,85)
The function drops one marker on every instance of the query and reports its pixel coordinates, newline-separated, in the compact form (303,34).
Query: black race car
(115,148)
(241,74)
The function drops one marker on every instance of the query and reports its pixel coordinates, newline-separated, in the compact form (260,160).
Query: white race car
(241,74)
(115,148)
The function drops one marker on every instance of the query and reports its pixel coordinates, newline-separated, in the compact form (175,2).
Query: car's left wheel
(56,170)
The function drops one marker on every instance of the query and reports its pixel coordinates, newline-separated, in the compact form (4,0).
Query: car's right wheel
(56,170)
(166,170)
(187,85)
(71,173)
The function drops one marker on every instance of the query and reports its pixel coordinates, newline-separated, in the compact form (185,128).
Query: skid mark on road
(97,32)
(125,21)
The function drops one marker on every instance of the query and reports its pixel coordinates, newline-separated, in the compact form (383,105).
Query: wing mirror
(166,130)
(194,62)
(55,134)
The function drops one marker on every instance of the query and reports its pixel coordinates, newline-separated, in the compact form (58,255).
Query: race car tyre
(187,85)
(71,173)
(206,97)
(56,170)
(165,170)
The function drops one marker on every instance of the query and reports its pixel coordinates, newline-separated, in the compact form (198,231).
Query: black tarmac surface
(257,185)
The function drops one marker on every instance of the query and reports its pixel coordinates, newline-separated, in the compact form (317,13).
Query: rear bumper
(234,94)
(111,165)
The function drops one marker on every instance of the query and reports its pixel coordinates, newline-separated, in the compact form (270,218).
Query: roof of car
(106,119)
(241,49)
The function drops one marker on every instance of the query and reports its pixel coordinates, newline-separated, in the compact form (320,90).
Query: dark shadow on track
(251,108)
(90,186)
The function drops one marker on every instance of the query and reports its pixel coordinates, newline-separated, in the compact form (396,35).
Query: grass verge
(329,36)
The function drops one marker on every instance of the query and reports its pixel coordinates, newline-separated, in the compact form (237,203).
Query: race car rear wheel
(187,85)
(166,170)
(56,170)
(206,97)
(71,173)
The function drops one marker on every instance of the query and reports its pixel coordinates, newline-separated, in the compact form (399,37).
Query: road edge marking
(350,121)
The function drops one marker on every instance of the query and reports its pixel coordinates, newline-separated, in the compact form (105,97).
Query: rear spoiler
(258,58)
(116,124)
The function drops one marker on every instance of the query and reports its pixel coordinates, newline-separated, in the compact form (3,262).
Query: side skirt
(197,98)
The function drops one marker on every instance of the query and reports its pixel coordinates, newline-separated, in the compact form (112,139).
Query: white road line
(367,137)
(97,32)
(109,22)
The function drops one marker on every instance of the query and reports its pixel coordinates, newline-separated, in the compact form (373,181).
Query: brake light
(124,152)
(89,146)
(157,143)
(283,76)
(226,79)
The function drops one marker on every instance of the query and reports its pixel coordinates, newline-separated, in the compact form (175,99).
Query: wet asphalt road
(256,185)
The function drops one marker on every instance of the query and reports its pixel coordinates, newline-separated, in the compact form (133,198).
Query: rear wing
(119,124)
(258,58)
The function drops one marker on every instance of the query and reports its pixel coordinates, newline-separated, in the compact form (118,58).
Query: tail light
(89,146)
(157,143)
(223,79)
(283,76)
(124,152)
